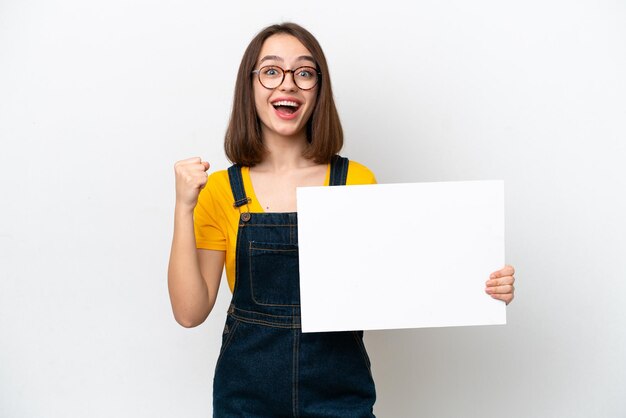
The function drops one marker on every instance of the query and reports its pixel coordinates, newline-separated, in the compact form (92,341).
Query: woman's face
(286,109)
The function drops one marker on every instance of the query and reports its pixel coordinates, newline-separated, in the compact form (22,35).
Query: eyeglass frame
(258,73)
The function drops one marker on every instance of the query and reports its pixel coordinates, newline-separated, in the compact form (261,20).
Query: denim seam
(272,225)
(271,250)
(237,261)
(344,174)
(229,339)
(359,343)
(296,356)
(266,314)
(338,171)
(236,182)
(266,323)
(272,246)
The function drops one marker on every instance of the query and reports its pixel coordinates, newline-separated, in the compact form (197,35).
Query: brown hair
(243,142)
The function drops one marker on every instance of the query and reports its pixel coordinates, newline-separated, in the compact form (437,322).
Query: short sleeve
(359,174)
(209,222)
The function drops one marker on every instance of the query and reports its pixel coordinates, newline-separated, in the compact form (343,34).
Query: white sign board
(392,256)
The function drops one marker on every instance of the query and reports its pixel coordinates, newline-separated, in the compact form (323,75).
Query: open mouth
(286,107)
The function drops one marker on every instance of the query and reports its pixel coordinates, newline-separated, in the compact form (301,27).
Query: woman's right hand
(191,177)
(193,275)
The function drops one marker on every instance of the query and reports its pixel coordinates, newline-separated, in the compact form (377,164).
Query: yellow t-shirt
(216,221)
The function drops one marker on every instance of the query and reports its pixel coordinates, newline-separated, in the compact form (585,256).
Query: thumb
(206,165)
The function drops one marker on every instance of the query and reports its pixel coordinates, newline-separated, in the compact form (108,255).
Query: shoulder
(219,177)
(217,188)
(359,174)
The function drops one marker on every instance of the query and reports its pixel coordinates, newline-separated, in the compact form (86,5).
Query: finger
(198,166)
(500,289)
(192,160)
(506,298)
(194,176)
(505,271)
(192,169)
(182,165)
(501,281)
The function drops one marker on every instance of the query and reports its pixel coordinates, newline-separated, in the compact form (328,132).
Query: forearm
(188,290)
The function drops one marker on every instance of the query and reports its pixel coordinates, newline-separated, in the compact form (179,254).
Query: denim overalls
(267,367)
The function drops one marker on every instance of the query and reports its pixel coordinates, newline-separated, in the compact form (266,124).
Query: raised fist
(191,177)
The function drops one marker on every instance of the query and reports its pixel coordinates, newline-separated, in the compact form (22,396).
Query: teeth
(285,103)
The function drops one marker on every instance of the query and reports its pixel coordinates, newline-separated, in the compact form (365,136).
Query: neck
(284,153)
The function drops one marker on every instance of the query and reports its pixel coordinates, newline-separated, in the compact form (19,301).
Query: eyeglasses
(272,76)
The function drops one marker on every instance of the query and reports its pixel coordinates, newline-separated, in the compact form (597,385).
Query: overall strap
(338,171)
(236,184)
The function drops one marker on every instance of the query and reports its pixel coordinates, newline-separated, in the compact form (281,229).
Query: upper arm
(211,264)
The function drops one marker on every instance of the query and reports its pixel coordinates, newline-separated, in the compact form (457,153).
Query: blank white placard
(390,256)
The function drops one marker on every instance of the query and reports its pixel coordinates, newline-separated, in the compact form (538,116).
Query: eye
(306,72)
(270,71)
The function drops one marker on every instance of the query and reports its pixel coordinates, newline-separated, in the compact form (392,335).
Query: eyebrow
(277,58)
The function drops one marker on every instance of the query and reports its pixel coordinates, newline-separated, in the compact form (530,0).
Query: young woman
(284,132)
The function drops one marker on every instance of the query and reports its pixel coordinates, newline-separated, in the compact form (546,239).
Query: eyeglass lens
(272,76)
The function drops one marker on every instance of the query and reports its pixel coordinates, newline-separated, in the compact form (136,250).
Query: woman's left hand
(500,284)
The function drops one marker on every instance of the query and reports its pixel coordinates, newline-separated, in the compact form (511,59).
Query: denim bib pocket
(274,274)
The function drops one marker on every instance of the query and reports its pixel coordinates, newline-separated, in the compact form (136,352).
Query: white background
(99,99)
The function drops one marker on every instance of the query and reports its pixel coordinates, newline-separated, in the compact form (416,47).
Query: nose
(289,82)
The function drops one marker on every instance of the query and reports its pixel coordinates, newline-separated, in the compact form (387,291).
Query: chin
(288,131)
